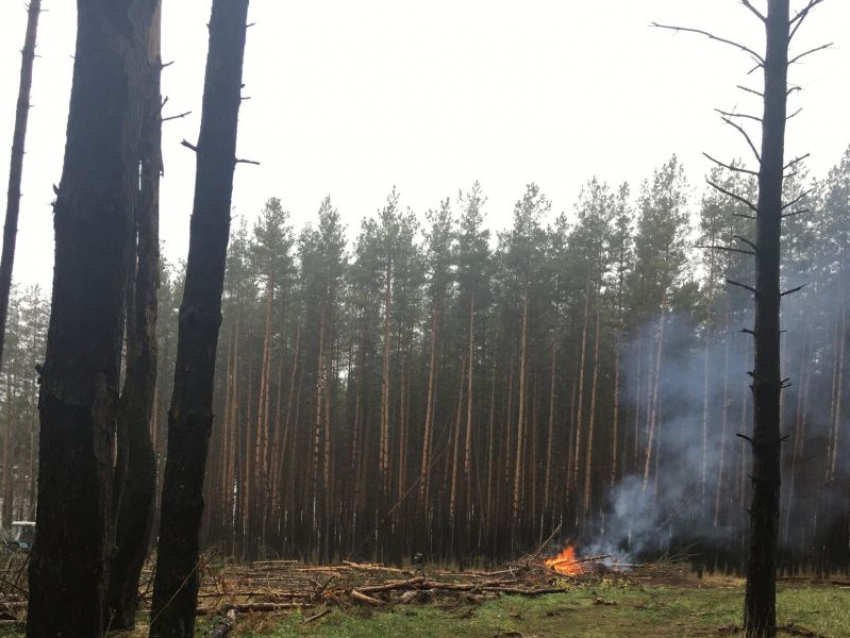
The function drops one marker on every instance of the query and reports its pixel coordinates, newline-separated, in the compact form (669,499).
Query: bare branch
(758,58)
(747,331)
(802,211)
(176,117)
(745,437)
(190,146)
(247,161)
(755,118)
(731,167)
(729,249)
(755,11)
(798,19)
(744,216)
(746,241)
(747,89)
(793,89)
(796,160)
(734,196)
(794,114)
(797,199)
(740,285)
(793,290)
(743,132)
(822,47)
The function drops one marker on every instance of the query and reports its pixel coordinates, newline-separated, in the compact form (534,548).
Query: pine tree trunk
(93,222)
(579,400)
(428,436)
(653,416)
(136,493)
(760,603)
(615,418)
(384,455)
(832,462)
(523,373)
(550,432)
(8,474)
(16,167)
(724,429)
(588,462)
(190,419)
(260,468)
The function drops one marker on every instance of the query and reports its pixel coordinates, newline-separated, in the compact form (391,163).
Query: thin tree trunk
(384,456)
(523,370)
(653,405)
(190,419)
(588,462)
(579,404)
(16,167)
(137,492)
(547,489)
(428,436)
(8,474)
(836,418)
(615,418)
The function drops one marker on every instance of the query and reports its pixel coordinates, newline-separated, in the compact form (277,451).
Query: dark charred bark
(190,418)
(760,604)
(16,168)
(93,221)
(135,484)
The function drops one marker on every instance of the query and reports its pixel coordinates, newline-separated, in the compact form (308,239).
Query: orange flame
(565,562)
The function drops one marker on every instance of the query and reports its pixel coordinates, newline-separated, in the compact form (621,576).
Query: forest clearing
(666,599)
(619,411)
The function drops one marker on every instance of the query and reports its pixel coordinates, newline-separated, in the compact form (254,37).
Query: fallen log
(393,584)
(225,626)
(321,614)
(363,598)
(368,567)
(520,591)
(249,607)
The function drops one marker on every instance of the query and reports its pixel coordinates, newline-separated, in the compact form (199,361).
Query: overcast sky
(351,98)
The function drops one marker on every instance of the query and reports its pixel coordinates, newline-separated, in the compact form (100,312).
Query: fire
(565,562)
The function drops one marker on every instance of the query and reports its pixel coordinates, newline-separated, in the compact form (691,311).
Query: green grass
(584,612)
(601,610)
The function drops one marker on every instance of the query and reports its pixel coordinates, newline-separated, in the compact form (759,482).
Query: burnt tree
(93,221)
(190,418)
(135,470)
(16,170)
(767,382)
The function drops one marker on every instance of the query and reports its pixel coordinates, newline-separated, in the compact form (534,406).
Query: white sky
(350,98)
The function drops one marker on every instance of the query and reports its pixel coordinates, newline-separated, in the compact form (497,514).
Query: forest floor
(583,611)
(283,599)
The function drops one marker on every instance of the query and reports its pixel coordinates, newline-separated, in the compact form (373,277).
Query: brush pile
(281,585)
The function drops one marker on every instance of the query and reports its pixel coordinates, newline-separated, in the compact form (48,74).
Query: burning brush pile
(282,586)
(568,563)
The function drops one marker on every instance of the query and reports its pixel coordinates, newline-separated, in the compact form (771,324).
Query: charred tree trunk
(760,603)
(136,491)
(16,168)
(190,418)
(93,220)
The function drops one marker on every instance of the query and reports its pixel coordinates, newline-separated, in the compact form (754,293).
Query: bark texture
(190,418)
(135,481)
(760,602)
(93,221)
